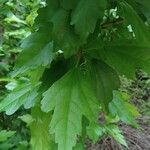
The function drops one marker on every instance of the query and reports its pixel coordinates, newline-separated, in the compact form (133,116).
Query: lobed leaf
(120,107)
(37,52)
(70,98)
(23,94)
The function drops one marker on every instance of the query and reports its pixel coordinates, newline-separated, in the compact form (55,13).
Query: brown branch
(112,23)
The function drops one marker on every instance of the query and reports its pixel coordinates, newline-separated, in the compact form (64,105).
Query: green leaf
(85,16)
(125,56)
(104,80)
(5,134)
(23,94)
(140,30)
(64,37)
(94,131)
(40,137)
(37,52)
(114,131)
(28,119)
(144,7)
(79,146)
(120,107)
(128,55)
(45,14)
(68,4)
(70,98)
(60,20)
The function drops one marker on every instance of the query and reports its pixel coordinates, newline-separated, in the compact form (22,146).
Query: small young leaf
(28,119)
(120,107)
(114,131)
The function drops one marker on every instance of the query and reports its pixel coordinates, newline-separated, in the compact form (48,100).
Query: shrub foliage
(69,67)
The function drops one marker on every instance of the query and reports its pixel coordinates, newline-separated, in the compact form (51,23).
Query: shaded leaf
(85,16)
(5,134)
(104,80)
(131,18)
(68,4)
(64,37)
(144,6)
(45,14)
(125,56)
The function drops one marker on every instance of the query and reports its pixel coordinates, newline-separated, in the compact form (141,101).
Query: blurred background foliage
(16,20)
(139,89)
(16,23)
